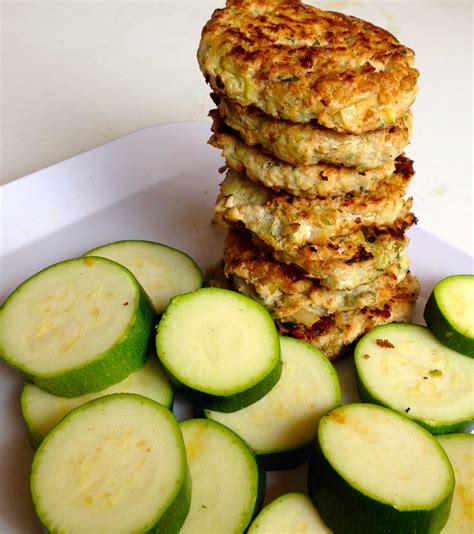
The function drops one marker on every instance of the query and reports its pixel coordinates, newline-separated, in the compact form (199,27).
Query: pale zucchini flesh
(76,327)
(42,411)
(460,451)
(116,464)
(228,485)
(163,271)
(220,345)
(405,368)
(374,470)
(286,419)
(449,313)
(289,513)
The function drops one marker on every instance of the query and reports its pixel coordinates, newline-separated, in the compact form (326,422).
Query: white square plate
(157,184)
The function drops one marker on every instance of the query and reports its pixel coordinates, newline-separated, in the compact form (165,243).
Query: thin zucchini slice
(404,367)
(116,464)
(163,271)
(77,327)
(280,426)
(228,485)
(220,347)
(374,470)
(292,512)
(449,313)
(460,451)
(42,411)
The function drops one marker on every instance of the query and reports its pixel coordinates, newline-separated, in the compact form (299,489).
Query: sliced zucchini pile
(116,464)
(374,470)
(220,347)
(164,272)
(280,426)
(292,512)
(77,327)
(449,313)
(42,411)
(460,451)
(228,485)
(405,368)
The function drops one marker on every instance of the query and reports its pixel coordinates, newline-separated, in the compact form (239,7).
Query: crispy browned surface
(288,293)
(301,63)
(310,181)
(309,144)
(286,222)
(333,333)
(348,262)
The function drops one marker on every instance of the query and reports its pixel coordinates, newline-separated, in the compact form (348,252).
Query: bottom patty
(289,294)
(333,333)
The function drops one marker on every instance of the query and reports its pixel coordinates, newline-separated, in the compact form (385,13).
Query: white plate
(158,184)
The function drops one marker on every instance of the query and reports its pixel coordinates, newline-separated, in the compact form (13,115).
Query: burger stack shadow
(312,117)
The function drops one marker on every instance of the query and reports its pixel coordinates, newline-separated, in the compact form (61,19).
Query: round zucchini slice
(77,327)
(163,271)
(42,411)
(280,426)
(293,512)
(228,486)
(460,451)
(374,470)
(220,347)
(405,368)
(449,313)
(116,464)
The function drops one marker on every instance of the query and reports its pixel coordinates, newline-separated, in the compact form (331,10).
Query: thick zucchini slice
(116,464)
(405,368)
(280,426)
(42,411)
(77,327)
(163,271)
(449,313)
(374,470)
(460,451)
(292,512)
(220,347)
(228,485)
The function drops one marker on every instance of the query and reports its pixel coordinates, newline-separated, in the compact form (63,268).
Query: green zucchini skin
(347,510)
(281,461)
(432,427)
(113,366)
(442,329)
(339,504)
(232,403)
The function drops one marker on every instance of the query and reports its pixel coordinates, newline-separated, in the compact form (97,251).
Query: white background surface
(78,74)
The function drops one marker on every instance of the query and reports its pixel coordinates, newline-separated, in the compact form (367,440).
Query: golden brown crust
(288,293)
(310,181)
(301,63)
(309,144)
(333,333)
(286,222)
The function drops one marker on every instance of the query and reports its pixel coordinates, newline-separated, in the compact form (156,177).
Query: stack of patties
(312,118)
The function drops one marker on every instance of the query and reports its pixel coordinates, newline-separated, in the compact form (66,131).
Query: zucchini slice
(280,427)
(163,271)
(116,464)
(374,470)
(292,512)
(42,411)
(460,451)
(228,485)
(77,327)
(404,367)
(449,313)
(220,347)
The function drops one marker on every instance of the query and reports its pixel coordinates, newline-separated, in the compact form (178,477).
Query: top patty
(301,63)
